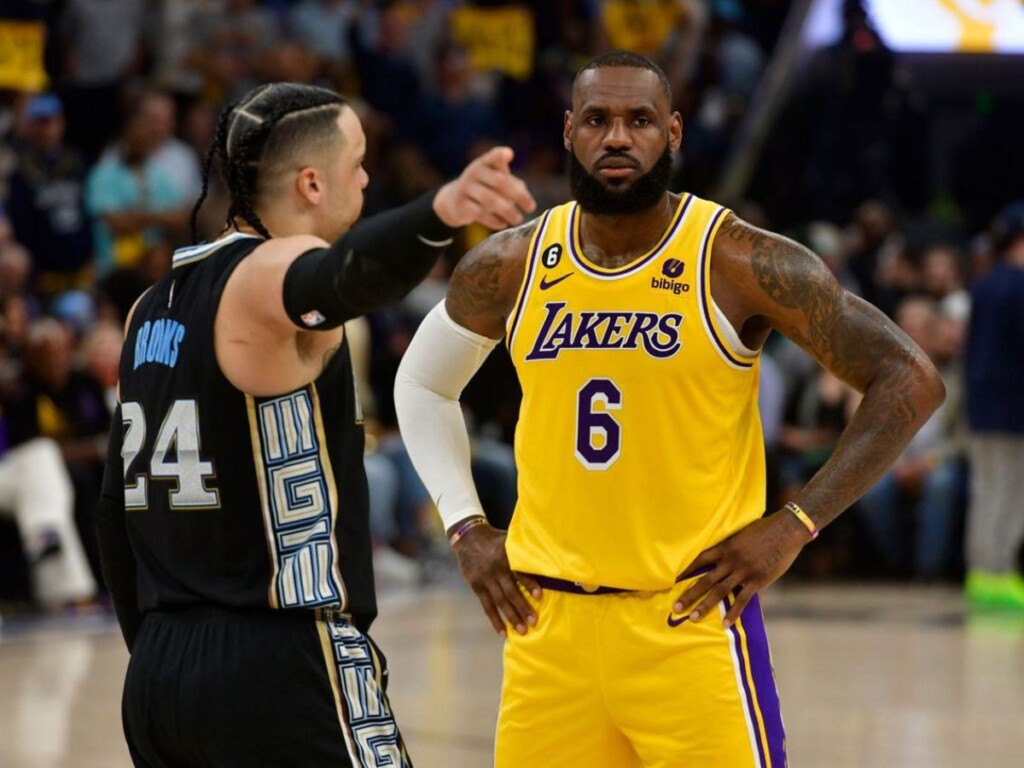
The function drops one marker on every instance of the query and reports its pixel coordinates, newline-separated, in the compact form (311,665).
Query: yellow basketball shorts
(621,681)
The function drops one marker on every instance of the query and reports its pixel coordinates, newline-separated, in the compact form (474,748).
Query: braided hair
(256,135)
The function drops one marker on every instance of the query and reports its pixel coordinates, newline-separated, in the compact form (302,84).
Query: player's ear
(567,130)
(309,185)
(675,132)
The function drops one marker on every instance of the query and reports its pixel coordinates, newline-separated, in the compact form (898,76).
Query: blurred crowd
(101,160)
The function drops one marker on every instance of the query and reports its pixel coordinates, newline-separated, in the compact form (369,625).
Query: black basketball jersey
(241,501)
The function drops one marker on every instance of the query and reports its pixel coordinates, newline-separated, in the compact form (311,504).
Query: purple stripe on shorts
(764,681)
(746,687)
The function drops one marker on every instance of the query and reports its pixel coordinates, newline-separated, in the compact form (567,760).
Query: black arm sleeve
(377,262)
(116,557)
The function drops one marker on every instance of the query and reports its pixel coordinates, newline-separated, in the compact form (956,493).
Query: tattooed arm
(485,283)
(771,282)
(797,295)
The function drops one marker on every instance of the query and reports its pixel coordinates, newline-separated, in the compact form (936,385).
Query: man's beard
(642,195)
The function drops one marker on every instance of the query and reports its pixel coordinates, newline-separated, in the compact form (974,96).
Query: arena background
(884,134)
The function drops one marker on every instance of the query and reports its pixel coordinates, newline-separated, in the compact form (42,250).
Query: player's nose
(617,136)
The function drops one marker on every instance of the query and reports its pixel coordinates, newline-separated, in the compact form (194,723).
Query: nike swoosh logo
(544,284)
(676,622)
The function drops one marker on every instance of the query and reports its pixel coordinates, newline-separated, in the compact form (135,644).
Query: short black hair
(256,133)
(629,60)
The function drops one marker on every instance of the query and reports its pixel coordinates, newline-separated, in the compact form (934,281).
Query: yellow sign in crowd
(499,39)
(21,55)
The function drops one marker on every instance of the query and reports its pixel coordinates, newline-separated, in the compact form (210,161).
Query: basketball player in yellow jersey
(631,568)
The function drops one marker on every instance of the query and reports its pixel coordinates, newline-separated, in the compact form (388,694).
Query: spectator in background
(872,238)
(77,311)
(14,322)
(5,226)
(100,355)
(427,28)
(175,157)
(740,59)
(16,312)
(135,200)
(55,420)
(667,31)
(926,484)
(818,406)
(35,491)
(445,129)
(827,241)
(229,48)
(15,273)
(17,309)
(171,27)
(816,412)
(395,526)
(47,201)
(172,157)
(321,26)
(102,44)
(452,126)
(942,278)
(387,79)
(729,68)
(980,257)
(59,402)
(995,410)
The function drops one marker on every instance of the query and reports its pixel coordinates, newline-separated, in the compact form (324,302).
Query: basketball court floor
(876,677)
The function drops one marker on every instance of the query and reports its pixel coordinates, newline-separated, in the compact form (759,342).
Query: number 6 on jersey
(598,434)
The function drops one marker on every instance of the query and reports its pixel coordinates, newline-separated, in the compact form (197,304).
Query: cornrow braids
(247,133)
(242,166)
(213,151)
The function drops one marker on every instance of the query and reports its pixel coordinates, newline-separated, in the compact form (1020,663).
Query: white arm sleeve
(439,363)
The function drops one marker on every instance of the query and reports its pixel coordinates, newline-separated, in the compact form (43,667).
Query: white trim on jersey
(199,252)
(730,333)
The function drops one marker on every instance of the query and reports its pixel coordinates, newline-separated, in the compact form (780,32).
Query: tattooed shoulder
(787,273)
(487,278)
(803,300)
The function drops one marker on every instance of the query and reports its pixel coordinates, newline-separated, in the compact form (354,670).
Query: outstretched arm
(785,286)
(281,297)
(298,283)
(448,349)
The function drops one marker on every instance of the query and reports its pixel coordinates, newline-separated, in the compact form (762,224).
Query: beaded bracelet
(804,518)
(463,529)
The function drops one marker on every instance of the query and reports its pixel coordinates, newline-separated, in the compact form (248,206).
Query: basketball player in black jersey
(233,522)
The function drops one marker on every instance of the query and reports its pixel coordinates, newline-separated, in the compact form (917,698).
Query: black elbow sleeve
(377,262)
(309,296)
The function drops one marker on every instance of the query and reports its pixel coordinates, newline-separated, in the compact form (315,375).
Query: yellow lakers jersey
(639,442)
